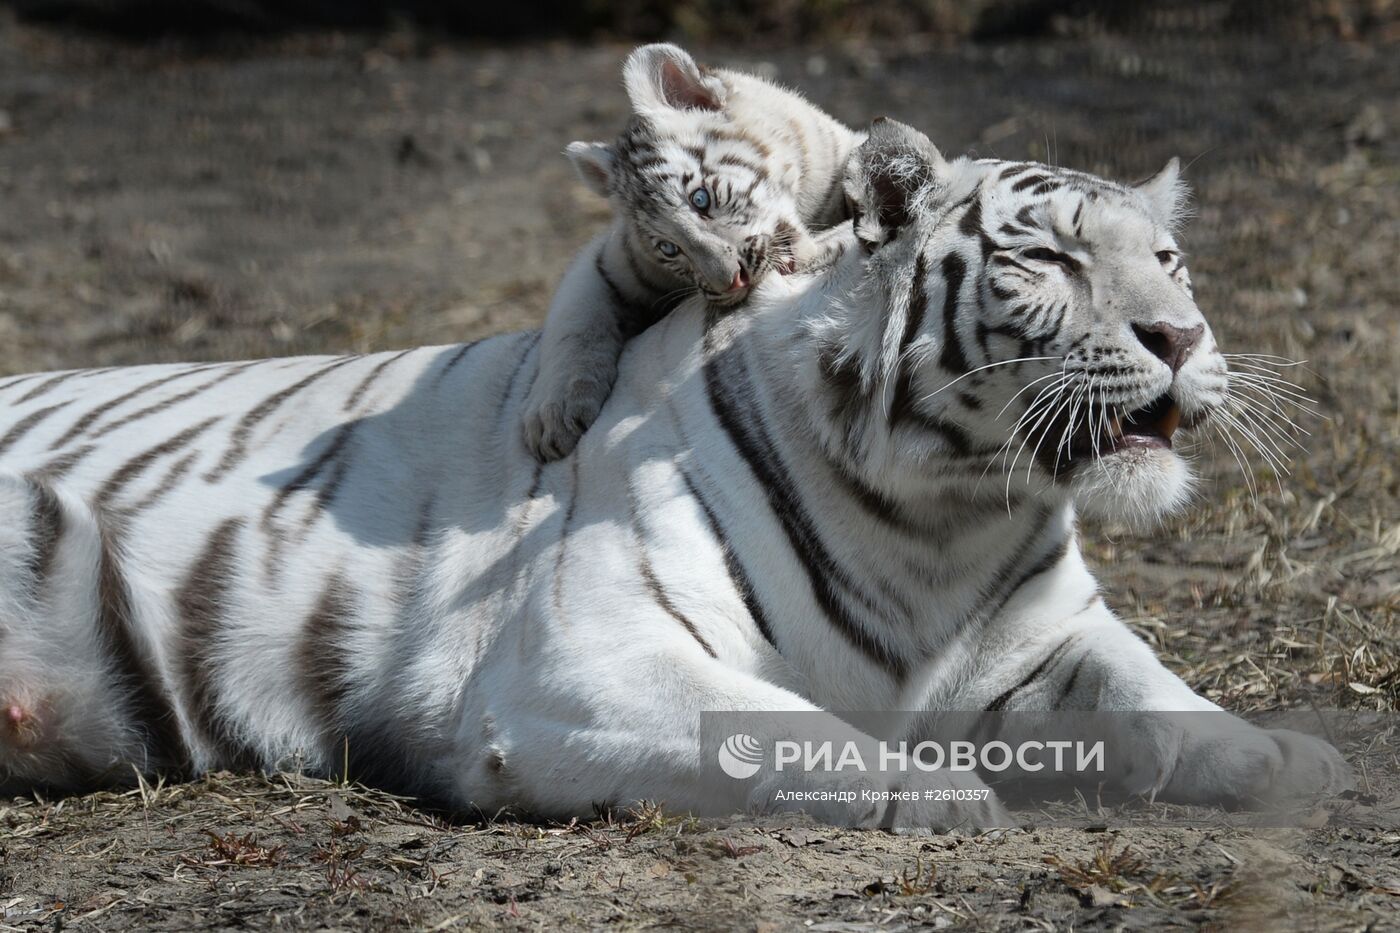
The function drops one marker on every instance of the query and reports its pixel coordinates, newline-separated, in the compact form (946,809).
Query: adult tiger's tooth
(1170,421)
(1115,427)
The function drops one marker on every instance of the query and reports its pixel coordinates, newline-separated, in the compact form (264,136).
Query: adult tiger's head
(1036,329)
(699,198)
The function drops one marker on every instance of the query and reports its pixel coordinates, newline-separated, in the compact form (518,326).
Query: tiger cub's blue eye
(700,199)
(668,249)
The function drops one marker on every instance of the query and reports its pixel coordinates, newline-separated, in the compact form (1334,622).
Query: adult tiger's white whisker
(1040,406)
(1291,389)
(1024,359)
(1240,458)
(1266,422)
(1045,396)
(1230,418)
(1105,421)
(1272,367)
(1271,359)
(1260,433)
(1264,367)
(1267,372)
(1027,387)
(1282,387)
(1066,442)
(1268,408)
(1091,421)
(1284,393)
(1262,394)
(1072,405)
(1041,413)
(1005,448)
(1085,408)
(1232,427)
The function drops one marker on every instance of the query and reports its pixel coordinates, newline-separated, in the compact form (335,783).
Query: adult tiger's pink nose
(740,280)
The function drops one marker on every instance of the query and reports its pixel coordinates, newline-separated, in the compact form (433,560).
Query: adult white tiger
(230,565)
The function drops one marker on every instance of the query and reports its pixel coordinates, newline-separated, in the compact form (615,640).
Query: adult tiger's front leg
(559,742)
(1164,741)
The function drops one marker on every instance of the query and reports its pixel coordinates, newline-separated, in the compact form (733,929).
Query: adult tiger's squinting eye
(668,249)
(1042,254)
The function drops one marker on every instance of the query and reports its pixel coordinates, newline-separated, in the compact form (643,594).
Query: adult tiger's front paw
(1220,760)
(946,802)
(1253,767)
(557,415)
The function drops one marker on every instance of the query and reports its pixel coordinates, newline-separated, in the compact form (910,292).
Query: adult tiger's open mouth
(1149,426)
(1091,436)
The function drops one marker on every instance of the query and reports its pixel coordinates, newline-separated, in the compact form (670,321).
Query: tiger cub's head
(1038,322)
(695,193)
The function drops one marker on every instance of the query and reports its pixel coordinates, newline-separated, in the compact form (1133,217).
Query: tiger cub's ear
(888,178)
(594,164)
(664,77)
(1166,194)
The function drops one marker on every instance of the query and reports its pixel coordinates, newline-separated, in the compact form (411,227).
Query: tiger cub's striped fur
(310,560)
(718,178)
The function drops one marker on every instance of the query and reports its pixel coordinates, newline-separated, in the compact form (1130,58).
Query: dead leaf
(1100,896)
(797,838)
(1389,885)
(338,809)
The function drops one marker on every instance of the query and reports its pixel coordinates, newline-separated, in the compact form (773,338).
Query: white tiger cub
(318,559)
(718,177)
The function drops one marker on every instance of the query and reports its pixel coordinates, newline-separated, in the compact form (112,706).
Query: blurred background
(216,179)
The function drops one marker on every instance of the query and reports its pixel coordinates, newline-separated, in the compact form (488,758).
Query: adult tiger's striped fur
(254,564)
(718,177)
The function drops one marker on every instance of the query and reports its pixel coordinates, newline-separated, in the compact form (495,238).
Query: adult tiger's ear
(594,164)
(888,178)
(662,76)
(1166,195)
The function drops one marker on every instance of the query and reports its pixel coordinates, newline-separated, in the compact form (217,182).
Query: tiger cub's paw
(555,418)
(810,252)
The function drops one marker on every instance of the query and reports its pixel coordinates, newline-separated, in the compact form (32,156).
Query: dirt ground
(336,194)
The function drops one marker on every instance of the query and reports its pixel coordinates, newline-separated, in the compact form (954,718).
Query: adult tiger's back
(179,527)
